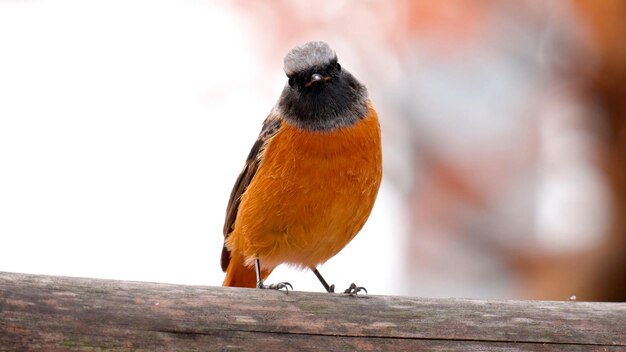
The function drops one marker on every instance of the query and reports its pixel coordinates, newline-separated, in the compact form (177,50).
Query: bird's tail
(239,274)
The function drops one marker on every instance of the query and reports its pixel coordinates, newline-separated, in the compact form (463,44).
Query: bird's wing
(271,125)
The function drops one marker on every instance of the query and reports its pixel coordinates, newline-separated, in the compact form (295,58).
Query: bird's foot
(354,290)
(278,286)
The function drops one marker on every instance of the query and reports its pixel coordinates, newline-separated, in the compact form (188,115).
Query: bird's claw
(278,286)
(354,290)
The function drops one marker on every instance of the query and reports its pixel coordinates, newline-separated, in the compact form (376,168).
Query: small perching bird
(311,178)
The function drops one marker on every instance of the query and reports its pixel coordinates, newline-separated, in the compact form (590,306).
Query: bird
(311,178)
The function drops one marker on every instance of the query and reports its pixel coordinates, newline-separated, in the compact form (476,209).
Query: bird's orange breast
(311,194)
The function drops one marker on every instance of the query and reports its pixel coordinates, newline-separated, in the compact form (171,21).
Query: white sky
(123,125)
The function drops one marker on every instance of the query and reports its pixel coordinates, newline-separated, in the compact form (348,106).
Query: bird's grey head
(308,55)
(320,95)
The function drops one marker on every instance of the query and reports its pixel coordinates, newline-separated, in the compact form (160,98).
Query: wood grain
(45,313)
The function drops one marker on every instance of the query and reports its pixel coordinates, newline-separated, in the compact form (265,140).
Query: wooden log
(46,313)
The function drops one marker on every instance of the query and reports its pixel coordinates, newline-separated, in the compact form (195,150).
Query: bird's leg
(260,284)
(259,280)
(353,290)
(329,289)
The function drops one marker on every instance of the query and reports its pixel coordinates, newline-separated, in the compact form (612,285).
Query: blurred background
(124,124)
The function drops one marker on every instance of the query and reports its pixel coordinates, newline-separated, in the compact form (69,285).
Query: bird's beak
(315,79)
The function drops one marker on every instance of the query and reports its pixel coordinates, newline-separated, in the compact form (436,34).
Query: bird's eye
(338,66)
(292,81)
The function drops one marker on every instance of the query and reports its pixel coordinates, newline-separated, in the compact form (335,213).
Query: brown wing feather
(271,125)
